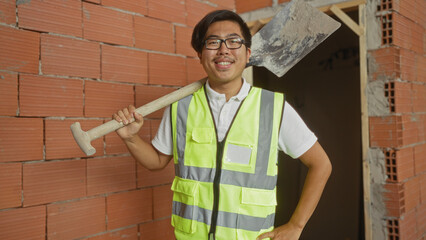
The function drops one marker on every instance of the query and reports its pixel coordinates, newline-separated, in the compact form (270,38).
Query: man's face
(224,65)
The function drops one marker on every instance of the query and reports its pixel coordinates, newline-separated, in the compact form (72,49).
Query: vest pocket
(256,212)
(184,205)
(199,145)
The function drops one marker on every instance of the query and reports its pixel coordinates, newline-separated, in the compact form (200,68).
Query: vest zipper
(216,187)
(219,156)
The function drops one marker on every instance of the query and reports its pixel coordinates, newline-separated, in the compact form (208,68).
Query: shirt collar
(212,94)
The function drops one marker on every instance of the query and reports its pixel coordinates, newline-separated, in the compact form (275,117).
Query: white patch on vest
(238,154)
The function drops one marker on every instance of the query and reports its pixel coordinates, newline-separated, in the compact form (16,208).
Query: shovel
(294,32)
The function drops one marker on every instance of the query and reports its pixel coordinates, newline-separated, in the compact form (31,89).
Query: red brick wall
(401,134)
(68,61)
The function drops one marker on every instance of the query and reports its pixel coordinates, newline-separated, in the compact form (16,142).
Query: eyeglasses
(230,43)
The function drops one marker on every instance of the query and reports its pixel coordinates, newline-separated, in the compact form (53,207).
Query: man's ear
(248,52)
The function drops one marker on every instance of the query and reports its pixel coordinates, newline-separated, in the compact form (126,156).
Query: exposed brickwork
(76,219)
(250,5)
(400,62)
(11,185)
(8,94)
(68,61)
(129,208)
(48,182)
(19,50)
(23,223)
(159,229)
(112,174)
(46,96)
(63,17)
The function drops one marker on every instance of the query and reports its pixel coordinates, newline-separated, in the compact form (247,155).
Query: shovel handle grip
(84,139)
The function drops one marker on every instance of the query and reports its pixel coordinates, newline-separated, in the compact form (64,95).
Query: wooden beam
(343,5)
(347,20)
(365,138)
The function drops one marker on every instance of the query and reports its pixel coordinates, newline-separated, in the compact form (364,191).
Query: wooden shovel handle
(83,139)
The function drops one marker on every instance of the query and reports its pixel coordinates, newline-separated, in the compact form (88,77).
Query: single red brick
(407,226)
(408,65)
(129,208)
(183,41)
(419,97)
(386,131)
(108,175)
(23,223)
(61,144)
(94,1)
(421,219)
(76,219)
(196,11)
(406,33)
(420,160)
(166,70)
(412,193)
(159,229)
(171,11)
(48,182)
(394,199)
(163,199)
(8,94)
(8,11)
(139,6)
(21,139)
(107,25)
(114,144)
(55,16)
(195,70)
(10,185)
(385,62)
(125,234)
(402,95)
(250,5)
(154,35)
(69,57)
(225,4)
(104,99)
(19,50)
(421,70)
(147,94)
(404,164)
(148,178)
(410,129)
(124,65)
(46,96)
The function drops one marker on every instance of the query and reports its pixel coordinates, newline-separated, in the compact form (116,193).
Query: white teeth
(223,63)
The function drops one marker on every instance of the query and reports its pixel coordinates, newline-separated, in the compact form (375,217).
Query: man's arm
(319,170)
(142,151)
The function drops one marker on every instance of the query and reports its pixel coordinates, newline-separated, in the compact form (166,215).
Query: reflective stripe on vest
(267,119)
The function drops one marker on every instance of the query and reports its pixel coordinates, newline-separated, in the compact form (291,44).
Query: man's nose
(223,49)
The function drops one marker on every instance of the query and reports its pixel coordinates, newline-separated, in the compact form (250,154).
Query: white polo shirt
(295,138)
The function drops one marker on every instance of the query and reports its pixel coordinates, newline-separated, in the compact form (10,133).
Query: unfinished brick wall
(67,61)
(400,63)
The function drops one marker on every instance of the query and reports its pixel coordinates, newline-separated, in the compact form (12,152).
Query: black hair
(203,25)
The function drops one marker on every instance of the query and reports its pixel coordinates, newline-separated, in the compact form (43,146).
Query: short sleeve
(295,138)
(163,141)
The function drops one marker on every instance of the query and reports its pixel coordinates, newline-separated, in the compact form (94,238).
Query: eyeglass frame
(243,42)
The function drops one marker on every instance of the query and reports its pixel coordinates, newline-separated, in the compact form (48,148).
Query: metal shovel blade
(294,32)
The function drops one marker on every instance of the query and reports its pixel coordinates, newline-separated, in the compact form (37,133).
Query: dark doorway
(324,89)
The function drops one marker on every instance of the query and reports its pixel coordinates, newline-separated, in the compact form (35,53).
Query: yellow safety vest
(225,190)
